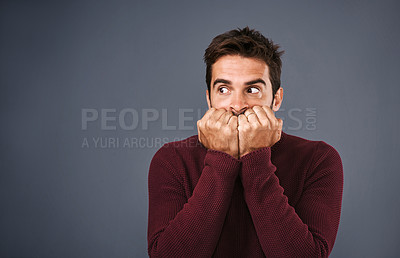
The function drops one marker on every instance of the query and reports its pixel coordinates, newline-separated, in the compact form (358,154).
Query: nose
(238,104)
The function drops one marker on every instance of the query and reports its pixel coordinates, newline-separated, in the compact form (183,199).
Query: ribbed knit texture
(283,201)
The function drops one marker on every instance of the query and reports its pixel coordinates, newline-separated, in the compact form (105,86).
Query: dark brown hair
(247,43)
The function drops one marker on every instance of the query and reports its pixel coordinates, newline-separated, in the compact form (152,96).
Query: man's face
(239,83)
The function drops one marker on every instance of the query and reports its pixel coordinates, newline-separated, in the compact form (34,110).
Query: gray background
(58,199)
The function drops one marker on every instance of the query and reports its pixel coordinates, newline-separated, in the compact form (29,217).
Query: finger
(242,120)
(233,121)
(270,114)
(199,137)
(226,117)
(199,133)
(253,119)
(261,114)
(251,116)
(208,114)
(280,124)
(248,112)
(280,121)
(217,114)
(213,117)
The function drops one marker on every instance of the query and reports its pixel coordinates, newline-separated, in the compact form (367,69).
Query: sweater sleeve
(179,226)
(310,228)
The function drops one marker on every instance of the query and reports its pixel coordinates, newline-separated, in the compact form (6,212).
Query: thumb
(198,130)
(280,121)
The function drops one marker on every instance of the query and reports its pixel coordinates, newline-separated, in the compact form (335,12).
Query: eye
(223,90)
(253,90)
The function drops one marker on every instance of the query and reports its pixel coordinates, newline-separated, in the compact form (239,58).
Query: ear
(277,99)
(208,99)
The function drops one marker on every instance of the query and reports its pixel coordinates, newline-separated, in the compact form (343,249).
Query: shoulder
(187,145)
(298,144)
(178,151)
(317,152)
(175,160)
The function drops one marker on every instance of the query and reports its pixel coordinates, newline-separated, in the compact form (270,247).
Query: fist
(258,128)
(218,130)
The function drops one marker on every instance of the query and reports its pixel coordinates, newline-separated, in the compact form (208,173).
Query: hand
(258,128)
(217,130)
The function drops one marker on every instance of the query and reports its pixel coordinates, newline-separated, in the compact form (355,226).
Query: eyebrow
(221,81)
(246,83)
(256,81)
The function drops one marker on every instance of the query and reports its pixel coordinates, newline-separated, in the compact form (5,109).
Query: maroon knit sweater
(283,201)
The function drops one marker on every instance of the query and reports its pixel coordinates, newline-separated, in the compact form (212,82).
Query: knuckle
(227,131)
(257,108)
(264,123)
(253,126)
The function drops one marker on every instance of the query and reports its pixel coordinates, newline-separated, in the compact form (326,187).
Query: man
(242,187)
